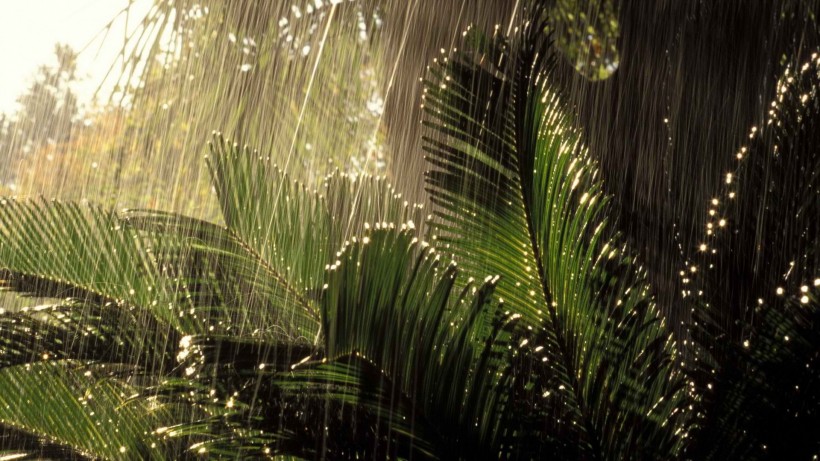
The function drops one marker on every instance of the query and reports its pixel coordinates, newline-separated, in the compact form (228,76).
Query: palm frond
(83,331)
(292,232)
(60,250)
(275,216)
(222,402)
(59,360)
(230,297)
(294,229)
(421,376)
(80,407)
(399,393)
(222,271)
(370,417)
(17,444)
(518,196)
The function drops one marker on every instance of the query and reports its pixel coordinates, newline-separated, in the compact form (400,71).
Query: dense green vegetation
(509,318)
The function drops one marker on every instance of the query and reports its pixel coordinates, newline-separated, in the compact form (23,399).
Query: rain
(416,229)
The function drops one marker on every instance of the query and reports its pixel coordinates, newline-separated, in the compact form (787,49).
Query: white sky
(29,30)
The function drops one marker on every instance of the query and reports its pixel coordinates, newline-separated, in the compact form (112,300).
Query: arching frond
(422,376)
(518,196)
(291,232)
(83,331)
(63,250)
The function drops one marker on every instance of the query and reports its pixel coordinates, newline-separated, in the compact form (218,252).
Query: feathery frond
(518,196)
(83,407)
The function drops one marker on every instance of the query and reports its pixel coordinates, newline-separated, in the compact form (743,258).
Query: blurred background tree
(349,68)
(47,112)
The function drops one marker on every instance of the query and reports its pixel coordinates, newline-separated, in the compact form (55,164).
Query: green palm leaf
(70,250)
(222,271)
(80,407)
(279,219)
(293,232)
(65,384)
(83,331)
(517,195)
(233,297)
(397,393)
(421,376)
(55,249)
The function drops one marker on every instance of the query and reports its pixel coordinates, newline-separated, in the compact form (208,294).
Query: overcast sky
(30,28)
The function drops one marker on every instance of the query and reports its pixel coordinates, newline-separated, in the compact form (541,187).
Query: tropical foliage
(511,321)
